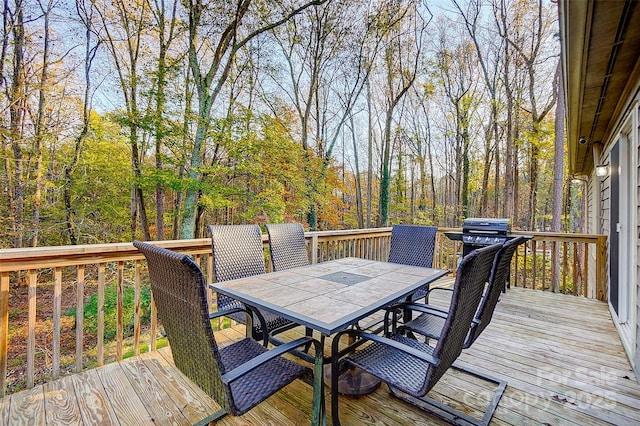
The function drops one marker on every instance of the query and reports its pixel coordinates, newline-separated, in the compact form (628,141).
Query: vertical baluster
(554,267)
(79,317)
(120,313)
(534,264)
(4,330)
(565,256)
(574,288)
(585,273)
(31,333)
(366,247)
(544,264)
(154,324)
(100,336)
(136,308)
(524,269)
(57,313)
(517,262)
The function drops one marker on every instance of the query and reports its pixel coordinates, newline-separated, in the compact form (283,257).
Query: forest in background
(150,119)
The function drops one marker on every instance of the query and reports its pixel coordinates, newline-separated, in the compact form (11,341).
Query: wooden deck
(560,354)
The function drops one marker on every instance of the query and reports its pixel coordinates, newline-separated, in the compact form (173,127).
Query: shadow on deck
(560,354)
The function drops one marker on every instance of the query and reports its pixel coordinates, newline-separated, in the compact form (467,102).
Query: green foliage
(100,188)
(262,171)
(90,321)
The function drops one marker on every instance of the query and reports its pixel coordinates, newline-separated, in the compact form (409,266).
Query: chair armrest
(246,309)
(226,312)
(439,288)
(413,306)
(423,356)
(428,309)
(264,357)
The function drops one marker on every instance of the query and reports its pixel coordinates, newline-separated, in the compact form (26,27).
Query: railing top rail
(54,256)
(16,259)
(564,237)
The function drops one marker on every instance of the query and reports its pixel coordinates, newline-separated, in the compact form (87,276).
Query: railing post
(601,268)
(314,248)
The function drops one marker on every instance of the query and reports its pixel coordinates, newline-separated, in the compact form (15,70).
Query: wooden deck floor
(560,354)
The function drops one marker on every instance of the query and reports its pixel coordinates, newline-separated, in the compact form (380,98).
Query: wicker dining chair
(432,319)
(413,245)
(287,245)
(412,368)
(239,376)
(287,249)
(238,253)
(410,245)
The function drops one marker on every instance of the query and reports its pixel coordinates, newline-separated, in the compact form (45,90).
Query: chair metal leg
(452,415)
(212,418)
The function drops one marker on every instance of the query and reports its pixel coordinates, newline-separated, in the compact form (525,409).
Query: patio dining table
(330,296)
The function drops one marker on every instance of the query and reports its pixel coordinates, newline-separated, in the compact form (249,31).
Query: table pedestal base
(354,381)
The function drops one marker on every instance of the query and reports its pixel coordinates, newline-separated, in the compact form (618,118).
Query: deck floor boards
(560,354)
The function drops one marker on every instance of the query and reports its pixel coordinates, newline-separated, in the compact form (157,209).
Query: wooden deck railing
(104,284)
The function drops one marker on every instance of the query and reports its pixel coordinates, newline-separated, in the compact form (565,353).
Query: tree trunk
(369,156)
(40,129)
(385,179)
(358,180)
(534,159)
(17,111)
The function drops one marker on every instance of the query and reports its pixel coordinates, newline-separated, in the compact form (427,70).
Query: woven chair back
(179,294)
(498,278)
(413,245)
(287,245)
(237,251)
(468,288)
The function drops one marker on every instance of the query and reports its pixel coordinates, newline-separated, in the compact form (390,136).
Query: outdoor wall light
(602,170)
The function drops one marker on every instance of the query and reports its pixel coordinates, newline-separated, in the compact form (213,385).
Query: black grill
(484,232)
(480,232)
